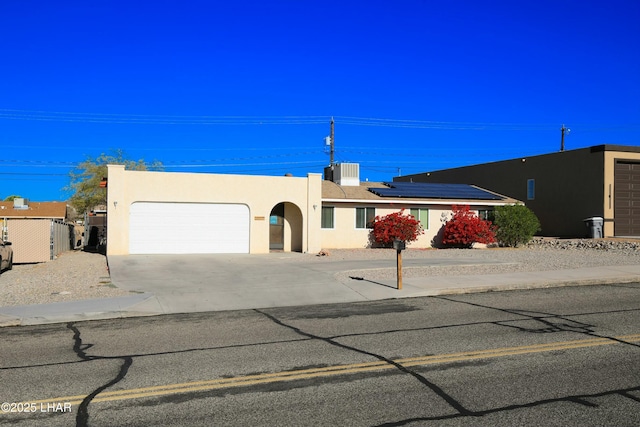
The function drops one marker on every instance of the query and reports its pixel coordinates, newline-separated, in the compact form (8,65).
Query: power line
(68,113)
(317,166)
(201,165)
(149,119)
(49,165)
(106,118)
(182,149)
(33,174)
(237,161)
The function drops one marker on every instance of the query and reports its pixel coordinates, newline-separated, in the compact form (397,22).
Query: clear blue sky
(249,87)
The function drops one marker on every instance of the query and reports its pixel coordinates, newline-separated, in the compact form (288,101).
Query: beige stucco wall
(259,193)
(610,158)
(293,231)
(345,235)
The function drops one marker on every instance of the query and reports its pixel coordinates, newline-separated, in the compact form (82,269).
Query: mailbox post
(399,246)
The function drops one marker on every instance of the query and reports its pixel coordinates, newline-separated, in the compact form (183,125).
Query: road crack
(549,322)
(80,348)
(462,411)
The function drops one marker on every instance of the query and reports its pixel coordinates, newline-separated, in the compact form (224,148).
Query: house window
(531,189)
(327,216)
(487,214)
(365,217)
(421,215)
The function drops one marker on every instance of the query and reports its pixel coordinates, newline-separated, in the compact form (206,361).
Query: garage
(627,198)
(188,228)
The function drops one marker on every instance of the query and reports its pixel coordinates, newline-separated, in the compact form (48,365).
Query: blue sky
(250,86)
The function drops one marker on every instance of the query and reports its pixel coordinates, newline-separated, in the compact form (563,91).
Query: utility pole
(333,143)
(563,130)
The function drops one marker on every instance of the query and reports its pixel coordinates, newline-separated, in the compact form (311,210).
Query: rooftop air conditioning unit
(20,203)
(347,174)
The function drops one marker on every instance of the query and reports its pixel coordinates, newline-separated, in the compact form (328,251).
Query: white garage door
(188,228)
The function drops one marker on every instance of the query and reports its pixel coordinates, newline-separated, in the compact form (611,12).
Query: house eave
(422,202)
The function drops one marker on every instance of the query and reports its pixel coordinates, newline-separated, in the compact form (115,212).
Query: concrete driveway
(188,283)
(164,284)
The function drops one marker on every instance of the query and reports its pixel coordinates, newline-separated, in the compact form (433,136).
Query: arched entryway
(285,228)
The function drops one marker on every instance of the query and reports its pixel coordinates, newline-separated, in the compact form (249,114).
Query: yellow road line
(303,374)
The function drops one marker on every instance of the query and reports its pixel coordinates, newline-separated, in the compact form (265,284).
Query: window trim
(368,225)
(425,225)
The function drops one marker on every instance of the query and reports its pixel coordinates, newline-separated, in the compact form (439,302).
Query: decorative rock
(585,244)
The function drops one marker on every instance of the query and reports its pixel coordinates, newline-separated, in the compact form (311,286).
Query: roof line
(423,202)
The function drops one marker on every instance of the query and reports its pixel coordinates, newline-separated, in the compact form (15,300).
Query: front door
(276,228)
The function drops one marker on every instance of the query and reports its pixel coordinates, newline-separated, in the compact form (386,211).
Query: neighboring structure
(563,188)
(172,213)
(38,231)
(94,236)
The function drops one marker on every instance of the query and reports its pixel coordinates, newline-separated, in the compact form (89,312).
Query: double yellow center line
(305,374)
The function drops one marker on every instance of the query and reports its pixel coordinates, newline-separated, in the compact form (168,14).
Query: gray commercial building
(563,188)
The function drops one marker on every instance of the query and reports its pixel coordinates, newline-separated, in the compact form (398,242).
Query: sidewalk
(250,282)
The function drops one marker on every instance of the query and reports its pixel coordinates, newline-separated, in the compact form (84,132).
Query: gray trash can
(594,227)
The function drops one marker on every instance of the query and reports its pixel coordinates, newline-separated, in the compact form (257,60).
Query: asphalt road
(552,357)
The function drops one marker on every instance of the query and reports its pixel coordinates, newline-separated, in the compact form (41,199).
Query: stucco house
(347,210)
(563,188)
(38,231)
(173,213)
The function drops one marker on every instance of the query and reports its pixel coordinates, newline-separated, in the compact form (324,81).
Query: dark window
(327,216)
(365,217)
(487,214)
(531,189)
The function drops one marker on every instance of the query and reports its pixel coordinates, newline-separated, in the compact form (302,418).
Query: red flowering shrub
(465,228)
(395,226)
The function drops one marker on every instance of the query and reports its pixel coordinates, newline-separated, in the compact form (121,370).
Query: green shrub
(516,224)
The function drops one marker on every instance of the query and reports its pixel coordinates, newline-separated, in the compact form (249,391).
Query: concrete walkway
(163,284)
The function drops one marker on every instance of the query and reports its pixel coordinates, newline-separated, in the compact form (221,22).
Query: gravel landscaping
(72,276)
(539,255)
(80,275)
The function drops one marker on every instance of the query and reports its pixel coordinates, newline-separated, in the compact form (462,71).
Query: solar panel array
(427,190)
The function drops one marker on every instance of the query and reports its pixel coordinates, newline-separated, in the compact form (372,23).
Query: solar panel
(427,190)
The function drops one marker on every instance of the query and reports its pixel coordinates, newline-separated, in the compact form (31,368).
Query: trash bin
(594,227)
